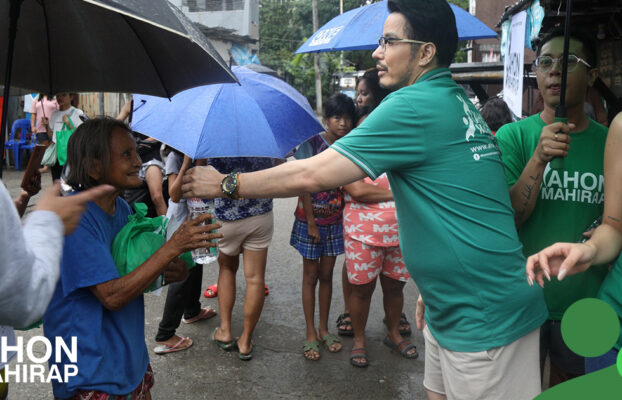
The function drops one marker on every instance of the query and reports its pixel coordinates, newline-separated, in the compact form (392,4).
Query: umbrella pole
(561,112)
(15,8)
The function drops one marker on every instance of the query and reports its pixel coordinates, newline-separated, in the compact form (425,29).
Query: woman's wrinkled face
(363,95)
(124,161)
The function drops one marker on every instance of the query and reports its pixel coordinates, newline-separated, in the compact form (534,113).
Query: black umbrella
(135,46)
(561,112)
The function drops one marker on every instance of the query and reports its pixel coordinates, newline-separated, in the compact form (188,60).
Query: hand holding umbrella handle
(561,115)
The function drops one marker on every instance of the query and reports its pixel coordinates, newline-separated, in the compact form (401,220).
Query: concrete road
(278,369)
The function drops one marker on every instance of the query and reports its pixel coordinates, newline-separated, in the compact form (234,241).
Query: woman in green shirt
(604,246)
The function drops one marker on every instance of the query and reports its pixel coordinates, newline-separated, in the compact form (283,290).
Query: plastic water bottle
(198,207)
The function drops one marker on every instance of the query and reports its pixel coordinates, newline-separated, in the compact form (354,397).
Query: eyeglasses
(384,41)
(545,63)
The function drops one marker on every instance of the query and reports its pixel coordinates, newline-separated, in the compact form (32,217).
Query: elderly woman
(92,302)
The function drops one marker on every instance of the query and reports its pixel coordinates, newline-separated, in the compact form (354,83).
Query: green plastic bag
(62,138)
(138,240)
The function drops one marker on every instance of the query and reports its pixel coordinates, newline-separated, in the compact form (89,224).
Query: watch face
(229,185)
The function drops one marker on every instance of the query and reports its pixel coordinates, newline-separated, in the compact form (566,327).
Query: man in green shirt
(456,224)
(557,205)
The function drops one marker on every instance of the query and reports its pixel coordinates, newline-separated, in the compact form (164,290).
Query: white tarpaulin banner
(514,63)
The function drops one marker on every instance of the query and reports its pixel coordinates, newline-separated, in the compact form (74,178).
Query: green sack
(49,157)
(62,138)
(138,240)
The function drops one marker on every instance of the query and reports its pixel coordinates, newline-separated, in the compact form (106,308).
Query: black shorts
(552,344)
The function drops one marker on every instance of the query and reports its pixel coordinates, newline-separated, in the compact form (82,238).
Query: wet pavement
(278,369)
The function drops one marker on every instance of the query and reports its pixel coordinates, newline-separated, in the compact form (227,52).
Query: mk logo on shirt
(585,187)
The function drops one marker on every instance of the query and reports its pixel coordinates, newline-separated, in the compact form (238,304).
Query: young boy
(317,233)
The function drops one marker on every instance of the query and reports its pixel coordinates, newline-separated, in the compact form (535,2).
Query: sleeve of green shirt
(512,153)
(391,137)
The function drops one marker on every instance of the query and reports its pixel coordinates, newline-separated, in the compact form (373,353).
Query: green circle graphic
(619,363)
(590,327)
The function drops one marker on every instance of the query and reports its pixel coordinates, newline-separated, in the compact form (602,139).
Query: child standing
(317,233)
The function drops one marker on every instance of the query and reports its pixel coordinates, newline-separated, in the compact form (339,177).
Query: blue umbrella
(360,28)
(261,117)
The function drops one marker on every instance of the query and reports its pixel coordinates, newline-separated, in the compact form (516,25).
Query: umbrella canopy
(261,117)
(360,28)
(140,46)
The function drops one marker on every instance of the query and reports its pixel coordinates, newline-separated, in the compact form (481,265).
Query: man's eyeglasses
(384,41)
(545,63)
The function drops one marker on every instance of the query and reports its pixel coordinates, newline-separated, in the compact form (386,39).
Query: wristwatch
(230,185)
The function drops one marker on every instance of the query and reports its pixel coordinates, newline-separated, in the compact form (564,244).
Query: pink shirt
(43,108)
(374,224)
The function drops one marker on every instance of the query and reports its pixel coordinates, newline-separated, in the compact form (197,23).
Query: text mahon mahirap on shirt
(585,187)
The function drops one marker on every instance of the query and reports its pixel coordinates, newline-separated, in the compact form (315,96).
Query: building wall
(489,12)
(240,15)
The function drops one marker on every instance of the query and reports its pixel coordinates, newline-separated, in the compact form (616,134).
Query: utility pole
(341,53)
(316,64)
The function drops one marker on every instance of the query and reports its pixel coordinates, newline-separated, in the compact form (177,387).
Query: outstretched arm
(327,170)
(368,193)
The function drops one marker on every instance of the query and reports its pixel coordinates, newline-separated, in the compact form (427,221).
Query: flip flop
(248,356)
(163,349)
(402,347)
(329,340)
(358,357)
(211,291)
(205,313)
(342,324)
(226,346)
(311,346)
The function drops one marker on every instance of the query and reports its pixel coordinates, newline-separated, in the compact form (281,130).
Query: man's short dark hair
(339,104)
(588,42)
(430,21)
(89,143)
(496,113)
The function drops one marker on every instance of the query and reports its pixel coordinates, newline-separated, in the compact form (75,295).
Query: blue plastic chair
(31,142)
(22,126)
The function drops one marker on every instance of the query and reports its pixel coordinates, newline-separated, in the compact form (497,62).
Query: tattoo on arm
(527,192)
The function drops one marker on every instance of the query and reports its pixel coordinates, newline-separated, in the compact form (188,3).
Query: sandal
(205,313)
(358,357)
(226,346)
(164,349)
(211,291)
(405,329)
(402,347)
(308,347)
(329,340)
(343,322)
(248,356)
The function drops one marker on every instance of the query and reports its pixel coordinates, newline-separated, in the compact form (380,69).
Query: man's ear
(592,74)
(427,54)
(95,172)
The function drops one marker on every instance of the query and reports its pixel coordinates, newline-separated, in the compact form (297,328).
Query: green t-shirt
(568,202)
(456,226)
